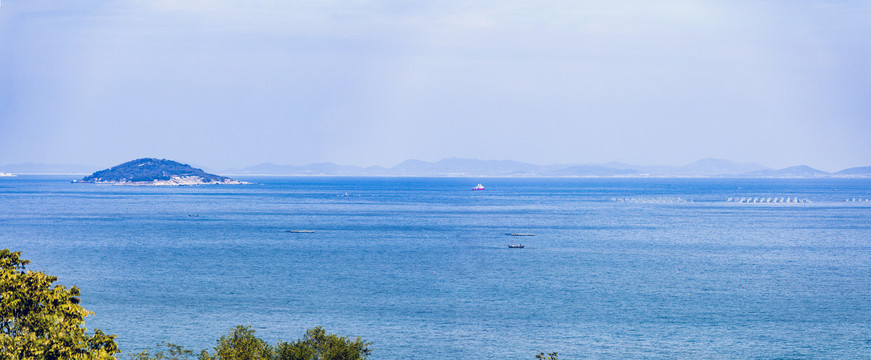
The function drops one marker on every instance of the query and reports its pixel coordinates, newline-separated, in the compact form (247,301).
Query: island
(161,172)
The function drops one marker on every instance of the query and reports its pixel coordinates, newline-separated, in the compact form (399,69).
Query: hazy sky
(232,83)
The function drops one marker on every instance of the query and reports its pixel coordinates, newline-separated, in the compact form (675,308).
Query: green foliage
(172,352)
(39,321)
(318,345)
(240,344)
(548,356)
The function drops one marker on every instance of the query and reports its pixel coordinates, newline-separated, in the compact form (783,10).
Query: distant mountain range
(458,167)
(505,168)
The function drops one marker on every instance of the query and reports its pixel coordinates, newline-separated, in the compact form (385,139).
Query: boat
(515,246)
(479,187)
(301,231)
(521,234)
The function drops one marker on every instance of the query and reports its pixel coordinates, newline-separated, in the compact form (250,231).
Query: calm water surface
(618,268)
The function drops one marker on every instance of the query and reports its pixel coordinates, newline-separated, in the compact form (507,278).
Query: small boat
(478,187)
(521,234)
(301,231)
(516,246)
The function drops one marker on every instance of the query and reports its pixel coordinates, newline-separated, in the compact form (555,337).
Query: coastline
(173,181)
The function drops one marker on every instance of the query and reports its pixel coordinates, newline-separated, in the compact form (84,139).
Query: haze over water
(618,268)
(229,83)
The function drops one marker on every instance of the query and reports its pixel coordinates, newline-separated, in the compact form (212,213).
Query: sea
(421,268)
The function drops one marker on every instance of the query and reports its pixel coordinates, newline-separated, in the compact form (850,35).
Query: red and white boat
(479,187)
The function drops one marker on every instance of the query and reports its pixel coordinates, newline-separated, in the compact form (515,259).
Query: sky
(233,83)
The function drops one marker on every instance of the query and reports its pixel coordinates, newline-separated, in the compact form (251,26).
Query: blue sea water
(617,269)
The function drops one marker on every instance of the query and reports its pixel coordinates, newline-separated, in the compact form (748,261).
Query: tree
(39,321)
(240,344)
(317,344)
(548,356)
(172,352)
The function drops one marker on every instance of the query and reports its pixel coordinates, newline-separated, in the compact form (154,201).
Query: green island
(42,321)
(151,171)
